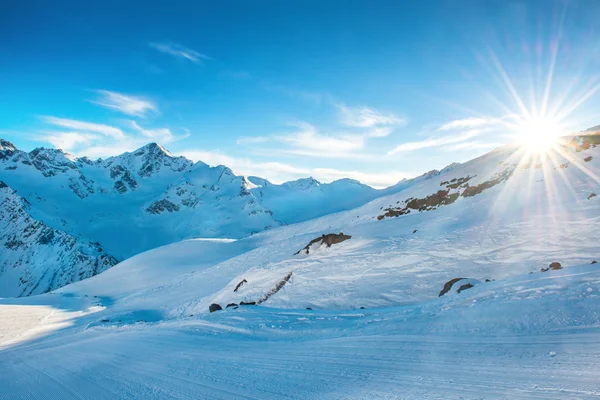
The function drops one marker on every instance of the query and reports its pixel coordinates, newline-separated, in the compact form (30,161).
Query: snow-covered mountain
(480,281)
(36,258)
(148,198)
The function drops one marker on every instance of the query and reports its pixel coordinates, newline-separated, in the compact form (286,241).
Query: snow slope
(152,198)
(142,328)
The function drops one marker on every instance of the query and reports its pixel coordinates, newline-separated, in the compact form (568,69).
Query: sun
(538,134)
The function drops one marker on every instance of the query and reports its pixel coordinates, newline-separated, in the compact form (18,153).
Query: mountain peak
(303,183)
(152,148)
(6,145)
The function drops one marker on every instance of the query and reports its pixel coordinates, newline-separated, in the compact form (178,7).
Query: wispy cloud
(355,127)
(163,135)
(455,135)
(468,123)
(100,140)
(253,139)
(435,142)
(68,141)
(106,130)
(308,137)
(473,145)
(366,117)
(129,105)
(180,51)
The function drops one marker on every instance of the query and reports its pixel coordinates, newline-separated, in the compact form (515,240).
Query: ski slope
(376,327)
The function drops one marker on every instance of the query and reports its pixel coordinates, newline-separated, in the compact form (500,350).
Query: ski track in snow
(175,364)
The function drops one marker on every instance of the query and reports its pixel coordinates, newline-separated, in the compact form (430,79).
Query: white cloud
(454,137)
(366,117)
(163,135)
(68,141)
(308,137)
(99,140)
(130,105)
(435,142)
(472,145)
(253,139)
(278,172)
(180,51)
(468,123)
(106,130)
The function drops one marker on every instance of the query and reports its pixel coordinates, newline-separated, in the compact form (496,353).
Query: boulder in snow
(214,307)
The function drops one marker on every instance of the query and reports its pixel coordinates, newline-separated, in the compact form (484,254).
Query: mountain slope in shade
(36,258)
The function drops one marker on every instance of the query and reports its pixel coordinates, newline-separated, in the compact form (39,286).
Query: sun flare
(538,135)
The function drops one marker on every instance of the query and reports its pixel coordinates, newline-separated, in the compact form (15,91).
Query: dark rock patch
(231,305)
(594,262)
(448,286)
(464,287)
(161,206)
(277,288)
(477,189)
(120,187)
(329,239)
(239,285)
(214,307)
(247,303)
(592,195)
(588,159)
(555,265)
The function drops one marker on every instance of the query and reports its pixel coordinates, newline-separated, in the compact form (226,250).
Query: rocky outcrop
(277,288)
(455,188)
(239,285)
(328,239)
(448,285)
(124,179)
(214,307)
(161,206)
(553,266)
(41,258)
(458,285)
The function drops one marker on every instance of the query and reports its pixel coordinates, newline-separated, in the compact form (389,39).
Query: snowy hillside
(152,198)
(510,214)
(365,303)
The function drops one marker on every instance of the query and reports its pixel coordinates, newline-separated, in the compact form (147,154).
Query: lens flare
(538,134)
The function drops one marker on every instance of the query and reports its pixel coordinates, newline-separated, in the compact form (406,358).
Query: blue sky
(372,90)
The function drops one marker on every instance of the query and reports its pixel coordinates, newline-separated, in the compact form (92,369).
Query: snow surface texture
(142,328)
(148,198)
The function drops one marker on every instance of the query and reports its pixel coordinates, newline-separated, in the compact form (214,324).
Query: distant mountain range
(111,209)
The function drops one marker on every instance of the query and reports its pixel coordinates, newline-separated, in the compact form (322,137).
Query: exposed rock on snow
(240,285)
(277,288)
(214,307)
(328,239)
(555,265)
(161,206)
(457,285)
(37,258)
